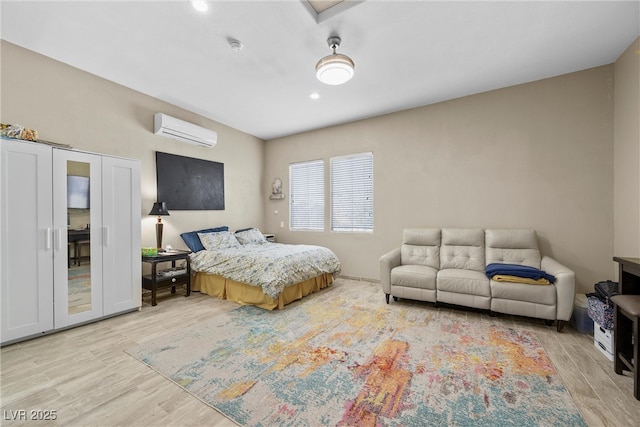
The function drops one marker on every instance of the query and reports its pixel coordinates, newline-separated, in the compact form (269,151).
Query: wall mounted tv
(77,192)
(188,184)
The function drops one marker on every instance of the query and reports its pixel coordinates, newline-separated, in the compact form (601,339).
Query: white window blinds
(352,192)
(306,182)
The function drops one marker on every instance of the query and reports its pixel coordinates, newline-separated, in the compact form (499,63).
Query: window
(352,192)
(307,195)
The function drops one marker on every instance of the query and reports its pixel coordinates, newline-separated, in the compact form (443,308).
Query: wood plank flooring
(84,375)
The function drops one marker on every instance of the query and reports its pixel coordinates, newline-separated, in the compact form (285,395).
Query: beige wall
(72,107)
(626,142)
(538,155)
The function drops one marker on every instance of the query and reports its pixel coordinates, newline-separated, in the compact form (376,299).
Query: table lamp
(160,209)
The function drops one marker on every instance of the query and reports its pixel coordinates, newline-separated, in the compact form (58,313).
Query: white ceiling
(407,53)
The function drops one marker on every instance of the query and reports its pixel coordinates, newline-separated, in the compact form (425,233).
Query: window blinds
(352,192)
(307,195)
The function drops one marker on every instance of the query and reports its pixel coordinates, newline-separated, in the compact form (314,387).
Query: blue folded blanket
(517,270)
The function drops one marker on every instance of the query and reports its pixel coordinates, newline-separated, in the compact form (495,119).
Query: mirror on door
(79,237)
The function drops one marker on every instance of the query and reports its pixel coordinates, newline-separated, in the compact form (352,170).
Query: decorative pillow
(219,240)
(192,240)
(250,235)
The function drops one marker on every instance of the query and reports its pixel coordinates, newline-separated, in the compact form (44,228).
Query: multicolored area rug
(328,361)
(79,288)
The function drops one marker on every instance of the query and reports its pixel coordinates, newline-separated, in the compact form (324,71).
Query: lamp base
(159,235)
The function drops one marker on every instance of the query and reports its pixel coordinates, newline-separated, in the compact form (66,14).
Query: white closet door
(77,282)
(26,224)
(121,245)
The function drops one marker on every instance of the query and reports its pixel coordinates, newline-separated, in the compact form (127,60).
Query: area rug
(327,361)
(79,288)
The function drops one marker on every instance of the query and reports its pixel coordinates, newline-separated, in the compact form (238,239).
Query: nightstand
(270,237)
(174,276)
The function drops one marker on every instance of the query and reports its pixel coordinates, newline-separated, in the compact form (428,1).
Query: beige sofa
(448,265)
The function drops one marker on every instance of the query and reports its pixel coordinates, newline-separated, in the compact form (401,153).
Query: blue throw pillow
(192,240)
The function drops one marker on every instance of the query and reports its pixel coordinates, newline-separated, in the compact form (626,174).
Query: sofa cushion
(546,295)
(512,247)
(421,247)
(414,276)
(463,249)
(463,282)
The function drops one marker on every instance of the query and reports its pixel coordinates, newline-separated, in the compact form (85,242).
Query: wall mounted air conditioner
(183,131)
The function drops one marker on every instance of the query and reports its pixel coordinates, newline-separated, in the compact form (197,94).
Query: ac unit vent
(183,131)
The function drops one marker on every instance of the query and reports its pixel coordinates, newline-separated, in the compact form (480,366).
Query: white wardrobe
(70,238)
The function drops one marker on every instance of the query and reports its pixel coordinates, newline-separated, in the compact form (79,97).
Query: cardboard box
(603,340)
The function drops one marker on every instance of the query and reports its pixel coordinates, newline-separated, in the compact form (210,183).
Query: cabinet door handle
(105,236)
(47,239)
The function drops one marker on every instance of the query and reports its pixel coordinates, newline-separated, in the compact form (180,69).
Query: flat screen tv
(186,183)
(77,192)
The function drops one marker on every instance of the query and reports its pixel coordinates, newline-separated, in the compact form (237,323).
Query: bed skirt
(218,286)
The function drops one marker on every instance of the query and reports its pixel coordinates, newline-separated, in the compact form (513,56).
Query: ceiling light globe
(200,5)
(335,69)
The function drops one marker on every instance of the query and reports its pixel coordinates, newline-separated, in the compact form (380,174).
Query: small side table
(167,277)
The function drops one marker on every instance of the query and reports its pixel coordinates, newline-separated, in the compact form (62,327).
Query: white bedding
(272,266)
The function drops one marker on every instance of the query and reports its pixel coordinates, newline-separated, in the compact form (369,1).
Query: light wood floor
(84,375)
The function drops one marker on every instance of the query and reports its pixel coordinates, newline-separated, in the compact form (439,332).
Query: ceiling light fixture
(336,68)
(200,5)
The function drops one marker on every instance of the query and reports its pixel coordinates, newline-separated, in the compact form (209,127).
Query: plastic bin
(580,319)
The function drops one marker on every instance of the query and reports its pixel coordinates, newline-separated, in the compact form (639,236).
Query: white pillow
(219,240)
(253,235)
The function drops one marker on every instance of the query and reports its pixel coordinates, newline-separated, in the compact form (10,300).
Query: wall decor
(186,183)
(276,190)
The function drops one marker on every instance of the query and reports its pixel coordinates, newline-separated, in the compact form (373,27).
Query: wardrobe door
(78,236)
(121,238)
(26,223)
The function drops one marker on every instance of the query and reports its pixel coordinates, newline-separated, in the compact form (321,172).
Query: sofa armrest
(387,262)
(565,286)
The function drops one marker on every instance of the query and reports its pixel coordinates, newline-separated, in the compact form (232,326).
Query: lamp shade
(335,69)
(159,209)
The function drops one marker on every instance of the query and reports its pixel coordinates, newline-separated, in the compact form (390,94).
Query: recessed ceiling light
(200,5)
(314,95)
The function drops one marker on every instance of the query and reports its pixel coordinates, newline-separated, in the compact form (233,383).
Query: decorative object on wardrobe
(159,209)
(335,69)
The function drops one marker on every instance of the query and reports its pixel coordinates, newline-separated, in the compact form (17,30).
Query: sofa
(448,266)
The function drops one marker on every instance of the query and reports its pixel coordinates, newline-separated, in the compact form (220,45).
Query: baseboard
(360,279)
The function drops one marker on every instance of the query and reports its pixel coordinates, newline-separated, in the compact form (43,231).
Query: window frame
(311,222)
(368,187)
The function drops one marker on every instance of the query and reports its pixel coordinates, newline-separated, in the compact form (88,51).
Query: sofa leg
(387,297)
(548,322)
(492,314)
(395,298)
(560,326)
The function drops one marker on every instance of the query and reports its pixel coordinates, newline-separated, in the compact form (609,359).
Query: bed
(245,268)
